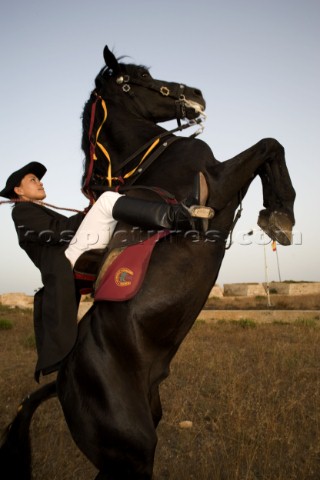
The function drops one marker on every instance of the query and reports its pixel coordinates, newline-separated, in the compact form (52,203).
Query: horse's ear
(111,60)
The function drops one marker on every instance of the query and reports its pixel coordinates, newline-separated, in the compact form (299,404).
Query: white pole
(278,264)
(266,273)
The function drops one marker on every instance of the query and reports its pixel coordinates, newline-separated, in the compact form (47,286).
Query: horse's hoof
(277,225)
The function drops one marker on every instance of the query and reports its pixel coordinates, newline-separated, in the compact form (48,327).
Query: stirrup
(200,211)
(196,203)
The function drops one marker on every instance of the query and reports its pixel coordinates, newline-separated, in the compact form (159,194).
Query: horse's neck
(125,135)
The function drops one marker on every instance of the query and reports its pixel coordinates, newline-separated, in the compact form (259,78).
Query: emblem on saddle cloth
(123,277)
(123,272)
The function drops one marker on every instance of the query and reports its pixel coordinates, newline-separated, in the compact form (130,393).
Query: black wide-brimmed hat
(15,178)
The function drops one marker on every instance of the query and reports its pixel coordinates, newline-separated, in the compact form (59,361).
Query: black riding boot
(156,215)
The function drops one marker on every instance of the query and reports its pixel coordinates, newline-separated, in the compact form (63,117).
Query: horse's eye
(145,74)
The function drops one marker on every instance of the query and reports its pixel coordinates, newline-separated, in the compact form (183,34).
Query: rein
(236,218)
(44,204)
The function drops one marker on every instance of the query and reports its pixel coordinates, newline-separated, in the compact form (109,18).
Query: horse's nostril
(198,92)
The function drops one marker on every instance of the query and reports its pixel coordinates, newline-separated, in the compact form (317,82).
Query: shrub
(307,322)
(5,324)
(30,341)
(245,323)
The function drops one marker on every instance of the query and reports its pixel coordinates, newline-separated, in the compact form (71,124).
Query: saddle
(117,272)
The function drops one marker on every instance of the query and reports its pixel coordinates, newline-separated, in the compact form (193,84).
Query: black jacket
(44,235)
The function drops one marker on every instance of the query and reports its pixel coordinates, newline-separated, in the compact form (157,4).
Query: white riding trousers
(96,228)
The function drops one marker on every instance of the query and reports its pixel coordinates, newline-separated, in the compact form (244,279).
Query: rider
(45,236)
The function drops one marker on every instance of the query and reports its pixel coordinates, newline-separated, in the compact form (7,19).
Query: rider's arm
(37,224)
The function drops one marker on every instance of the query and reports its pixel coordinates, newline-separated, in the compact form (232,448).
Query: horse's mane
(105,72)
(85,141)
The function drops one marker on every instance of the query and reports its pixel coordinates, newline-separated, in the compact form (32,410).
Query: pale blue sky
(256,62)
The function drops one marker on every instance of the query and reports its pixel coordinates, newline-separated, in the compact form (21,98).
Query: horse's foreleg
(277,219)
(267,160)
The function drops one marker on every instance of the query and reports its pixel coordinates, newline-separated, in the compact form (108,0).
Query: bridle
(176,92)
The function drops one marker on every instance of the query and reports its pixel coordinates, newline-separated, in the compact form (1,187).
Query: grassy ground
(252,393)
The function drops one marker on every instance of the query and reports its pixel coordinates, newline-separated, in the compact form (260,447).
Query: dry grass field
(251,391)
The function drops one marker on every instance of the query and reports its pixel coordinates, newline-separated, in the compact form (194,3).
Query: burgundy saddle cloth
(117,273)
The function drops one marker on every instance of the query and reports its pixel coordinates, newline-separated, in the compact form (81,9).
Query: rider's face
(30,188)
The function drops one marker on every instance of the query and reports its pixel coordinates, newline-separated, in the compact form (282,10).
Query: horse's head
(150,99)
(121,117)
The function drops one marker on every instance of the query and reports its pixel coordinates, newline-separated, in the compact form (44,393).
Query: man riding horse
(47,238)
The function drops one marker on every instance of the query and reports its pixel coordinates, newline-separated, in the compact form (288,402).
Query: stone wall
(243,289)
(20,300)
(295,288)
(217,291)
(259,289)
(228,290)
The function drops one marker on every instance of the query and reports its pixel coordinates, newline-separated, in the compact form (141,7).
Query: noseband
(177,93)
(154,85)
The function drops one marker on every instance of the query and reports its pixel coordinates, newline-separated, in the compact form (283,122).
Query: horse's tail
(15,449)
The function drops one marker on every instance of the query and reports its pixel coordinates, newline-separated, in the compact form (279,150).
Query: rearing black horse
(109,384)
